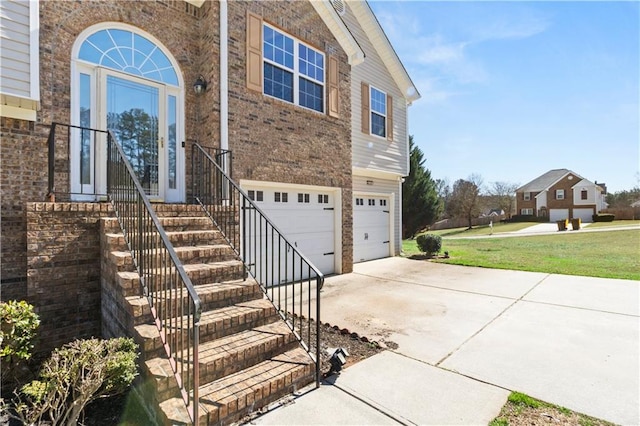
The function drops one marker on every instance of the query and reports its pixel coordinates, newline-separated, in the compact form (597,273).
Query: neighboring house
(496,213)
(560,194)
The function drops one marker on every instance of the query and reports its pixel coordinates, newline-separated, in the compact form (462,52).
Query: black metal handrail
(59,162)
(174,302)
(281,270)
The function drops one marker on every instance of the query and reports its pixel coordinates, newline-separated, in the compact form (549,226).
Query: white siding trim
(34,48)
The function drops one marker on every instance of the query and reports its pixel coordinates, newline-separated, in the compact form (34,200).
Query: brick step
(212,296)
(186,223)
(187,254)
(116,241)
(175,210)
(200,274)
(226,356)
(230,398)
(214,324)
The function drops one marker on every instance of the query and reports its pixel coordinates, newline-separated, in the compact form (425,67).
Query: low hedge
(603,217)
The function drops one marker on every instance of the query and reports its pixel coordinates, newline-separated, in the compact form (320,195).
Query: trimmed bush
(603,217)
(77,374)
(429,243)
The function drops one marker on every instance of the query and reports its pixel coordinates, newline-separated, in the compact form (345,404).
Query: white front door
(125,82)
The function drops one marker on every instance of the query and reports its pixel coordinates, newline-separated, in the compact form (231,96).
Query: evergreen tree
(420,203)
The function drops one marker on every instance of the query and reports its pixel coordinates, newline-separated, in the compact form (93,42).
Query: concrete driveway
(572,341)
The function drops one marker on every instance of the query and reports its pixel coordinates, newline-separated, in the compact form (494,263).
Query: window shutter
(332,87)
(389,118)
(365,108)
(254,52)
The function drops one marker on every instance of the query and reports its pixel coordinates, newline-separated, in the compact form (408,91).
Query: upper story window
(527,196)
(293,71)
(559,194)
(378,113)
(584,194)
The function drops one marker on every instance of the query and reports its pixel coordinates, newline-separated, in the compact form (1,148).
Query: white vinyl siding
(368,151)
(19,76)
(389,187)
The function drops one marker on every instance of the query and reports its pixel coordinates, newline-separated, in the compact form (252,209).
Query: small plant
(18,326)
(77,374)
(522,399)
(429,243)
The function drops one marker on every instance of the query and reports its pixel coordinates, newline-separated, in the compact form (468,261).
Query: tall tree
(420,204)
(503,195)
(464,201)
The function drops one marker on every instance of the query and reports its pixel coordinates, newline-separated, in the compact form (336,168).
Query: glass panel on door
(132,114)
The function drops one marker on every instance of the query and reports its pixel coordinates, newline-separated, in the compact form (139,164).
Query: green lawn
(483,229)
(614,254)
(614,223)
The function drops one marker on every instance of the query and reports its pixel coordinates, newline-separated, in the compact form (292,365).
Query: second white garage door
(583,214)
(371,239)
(305,217)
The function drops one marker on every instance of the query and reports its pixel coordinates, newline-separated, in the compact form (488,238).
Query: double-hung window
(378,112)
(559,194)
(293,71)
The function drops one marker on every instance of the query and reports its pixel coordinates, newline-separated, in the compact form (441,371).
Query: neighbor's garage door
(558,214)
(370,228)
(583,214)
(305,217)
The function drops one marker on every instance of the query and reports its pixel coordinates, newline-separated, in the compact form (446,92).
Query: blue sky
(511,90)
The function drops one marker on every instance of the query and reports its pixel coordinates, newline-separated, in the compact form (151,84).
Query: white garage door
(307,220)
(583,214)
(370,228)
(558,214)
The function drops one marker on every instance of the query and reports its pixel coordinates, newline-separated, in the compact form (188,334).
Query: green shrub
(429,243)
(75,375)
(603,217)
(18,325)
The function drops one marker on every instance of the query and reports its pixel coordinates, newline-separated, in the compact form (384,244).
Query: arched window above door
(125,51)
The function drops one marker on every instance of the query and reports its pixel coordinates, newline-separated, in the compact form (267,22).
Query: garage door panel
(308,226)
(558,214)
(584,214)
(370,229)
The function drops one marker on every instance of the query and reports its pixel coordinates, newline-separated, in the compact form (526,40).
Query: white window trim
(371,111)
(296,71)
(558,192)
(526,212)
(527,196)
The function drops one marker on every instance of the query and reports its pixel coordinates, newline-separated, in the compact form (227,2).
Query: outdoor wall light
(200,85)
(337,360)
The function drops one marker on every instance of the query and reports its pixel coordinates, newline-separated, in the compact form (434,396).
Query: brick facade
(63,269)
(271,140)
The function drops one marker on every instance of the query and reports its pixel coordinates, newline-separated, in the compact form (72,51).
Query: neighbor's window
(293,71)
(527,196)
(526,212)
(584,194)
(559,194)
(378,112)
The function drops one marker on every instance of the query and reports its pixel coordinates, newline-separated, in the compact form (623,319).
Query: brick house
(560,194)
(308,96)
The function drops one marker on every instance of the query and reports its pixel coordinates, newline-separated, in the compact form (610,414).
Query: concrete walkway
(467,336)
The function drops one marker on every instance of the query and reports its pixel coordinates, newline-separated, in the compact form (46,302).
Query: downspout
(224,77)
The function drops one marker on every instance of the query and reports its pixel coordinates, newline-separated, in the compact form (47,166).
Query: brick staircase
(248,357)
